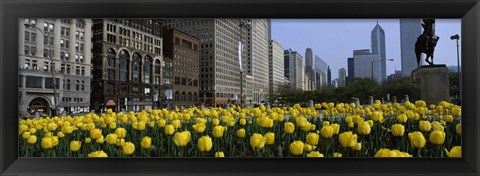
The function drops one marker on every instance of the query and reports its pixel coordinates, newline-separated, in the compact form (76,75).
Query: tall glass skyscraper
(378,46)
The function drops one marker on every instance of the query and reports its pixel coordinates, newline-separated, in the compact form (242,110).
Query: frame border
(10,164)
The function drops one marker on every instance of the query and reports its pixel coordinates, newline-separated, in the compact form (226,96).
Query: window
(80,23)
(33,82)
(27,49)
(45,66)
(27,36)
(111,74)
(68,69)
(68,84)
(47,53)
(33,50)
(33,36)
(27,64)
(135,89)
(136,68)
(77,46)
(157,67)
(62,69)
(77,71)
(111,88)
(62,55)
(147,91)
(76,58)
(111,58)
(123,65)
(81,59)
(147,69)
(77,34)
(83,71)
(49,83)
(67,56)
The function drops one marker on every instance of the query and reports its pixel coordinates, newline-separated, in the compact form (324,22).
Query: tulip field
(409,129)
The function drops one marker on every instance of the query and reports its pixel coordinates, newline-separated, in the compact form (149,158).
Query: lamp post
(373,65)
(53,69)
(246,25)
(457,37)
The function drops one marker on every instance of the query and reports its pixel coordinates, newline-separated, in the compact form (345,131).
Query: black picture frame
(11,11)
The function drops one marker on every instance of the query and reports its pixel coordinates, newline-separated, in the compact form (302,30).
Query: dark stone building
(127,60)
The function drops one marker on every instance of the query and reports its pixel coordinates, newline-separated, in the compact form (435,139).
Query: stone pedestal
(431,84)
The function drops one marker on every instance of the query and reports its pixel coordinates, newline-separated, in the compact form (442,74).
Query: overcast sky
(334,40)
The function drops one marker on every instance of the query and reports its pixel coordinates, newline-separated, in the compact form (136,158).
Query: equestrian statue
(427,41)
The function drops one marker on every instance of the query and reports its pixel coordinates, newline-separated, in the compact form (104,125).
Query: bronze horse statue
(427,41)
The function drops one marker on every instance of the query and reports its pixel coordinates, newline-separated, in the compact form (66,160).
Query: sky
(334,40)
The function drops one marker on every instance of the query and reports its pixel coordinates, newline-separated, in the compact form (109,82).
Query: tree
(399,88)
(454,84)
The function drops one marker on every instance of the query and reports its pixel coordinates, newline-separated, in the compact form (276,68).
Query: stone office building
(60,44)
(127,58)
(185,53)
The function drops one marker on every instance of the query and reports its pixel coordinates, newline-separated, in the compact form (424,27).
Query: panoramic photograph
(239,88)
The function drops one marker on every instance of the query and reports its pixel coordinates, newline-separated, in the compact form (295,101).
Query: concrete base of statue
(431,83)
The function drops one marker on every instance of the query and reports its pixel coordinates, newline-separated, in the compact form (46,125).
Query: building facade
(294,69)
(329,76)
(127,59)
(410,29)
(185,53)
(321,69)
(342,77)
(276,66)
(351,69)
(257,57)
(378,46)
(362,62)
(61,45)
(309,69)
(219,57)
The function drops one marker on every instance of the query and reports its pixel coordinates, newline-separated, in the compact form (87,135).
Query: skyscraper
(294,69)
(321,69)
(329,76)
(378,46)
(362,63)
(276,66)
(351,69)
(342,75)
(257,58)
(309,69)
(410,29)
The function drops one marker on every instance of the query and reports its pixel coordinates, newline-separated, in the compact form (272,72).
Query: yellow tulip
(448,118)
(296,147)
(391,153)
(128,148)
(357,146)
(218,131)
(111,138)
(26,134)
(182,138)
(95,133)
(199,127)
(314,154)
(100,140)
(337,155)
(161,123)
(456,111)
(289,127)
(327,131)
(454,152)
(376,116)
(417,139)
(364,128)
(241,133)
(52,126)
(336,128)
(243,121)
(425,125)
(176,124)
(351,124)
(169,129)
(88,140)
(312,138)
(307,147)
(458,128)
(60,134)
(75,145)
(398,130)
(270,138)
(257,141)
(215,121)
(204,144)
(402,118)
(121,132)
(32,131)
(437,126)
(348,139)
(219,154)
(99,153)
(47,142)
(146,142)
(32,139)
(437,137)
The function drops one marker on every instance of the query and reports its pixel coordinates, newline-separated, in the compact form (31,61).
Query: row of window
(38,82)
(186,81)
(69,99)
(185,97)
(123,89)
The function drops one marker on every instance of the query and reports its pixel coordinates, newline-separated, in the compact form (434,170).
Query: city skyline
(346,35)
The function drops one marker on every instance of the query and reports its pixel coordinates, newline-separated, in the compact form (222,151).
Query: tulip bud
(219,154)
(398,130)
(241,133)
(327,131)
(182,138)
(257,141)
(314,154)
(364,128)
(146,142)
(417,139)
(75,146)
(312,138)
(169,129)
(218,131)
(289,127)
(454,152)
(458,129)
(270,138)
(437,137)
(128,148)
